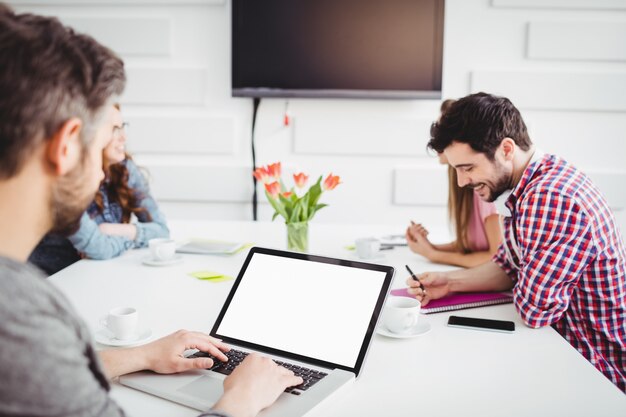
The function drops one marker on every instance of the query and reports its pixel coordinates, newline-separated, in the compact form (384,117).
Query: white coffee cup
(401,314)
(123,322)
(162,249)
(367,247)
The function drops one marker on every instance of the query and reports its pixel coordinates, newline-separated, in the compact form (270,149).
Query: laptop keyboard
(235,357)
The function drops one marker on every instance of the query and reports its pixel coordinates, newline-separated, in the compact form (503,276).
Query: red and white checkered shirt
(564,251)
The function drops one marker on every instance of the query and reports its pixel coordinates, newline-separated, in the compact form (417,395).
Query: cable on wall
(256,101)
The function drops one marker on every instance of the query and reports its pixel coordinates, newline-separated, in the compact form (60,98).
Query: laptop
(312,314)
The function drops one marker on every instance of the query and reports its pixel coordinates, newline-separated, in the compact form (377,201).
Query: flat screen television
(337,48)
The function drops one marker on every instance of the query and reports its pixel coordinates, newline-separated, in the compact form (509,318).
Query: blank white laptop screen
(315,309)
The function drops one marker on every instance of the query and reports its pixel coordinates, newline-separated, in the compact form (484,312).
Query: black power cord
(256,101)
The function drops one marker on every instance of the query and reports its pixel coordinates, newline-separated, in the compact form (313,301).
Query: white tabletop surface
(446,372)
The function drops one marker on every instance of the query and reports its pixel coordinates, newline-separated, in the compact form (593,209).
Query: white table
(447,372)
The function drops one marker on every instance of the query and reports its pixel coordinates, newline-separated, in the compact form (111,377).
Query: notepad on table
(459,301)
(210,247)
(393,240)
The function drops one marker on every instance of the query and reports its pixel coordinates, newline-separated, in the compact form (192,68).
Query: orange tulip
(273,188)
(331,182)
(274,170)
(286,194)
(261,174)
(300,179)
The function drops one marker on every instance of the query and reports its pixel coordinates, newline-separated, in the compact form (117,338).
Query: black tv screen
(337,48)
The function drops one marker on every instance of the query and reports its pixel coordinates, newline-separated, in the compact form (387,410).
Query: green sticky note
(244,247)
(218,279)
(206,274)
(210,276)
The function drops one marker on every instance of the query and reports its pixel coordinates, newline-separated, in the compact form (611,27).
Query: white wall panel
(556,90)
(591,140)
(584,40)
(171,86)
(132,36)
(563,4)
(420,186)
(361,136)
(200,182)
(182,135)
(611,184)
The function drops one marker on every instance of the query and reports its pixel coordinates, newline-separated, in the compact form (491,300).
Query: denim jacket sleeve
(148,227)
(95,244)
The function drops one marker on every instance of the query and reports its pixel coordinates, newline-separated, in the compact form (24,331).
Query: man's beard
(498,187)
(69,200)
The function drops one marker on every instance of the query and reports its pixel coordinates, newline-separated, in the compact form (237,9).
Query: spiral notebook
(459,301)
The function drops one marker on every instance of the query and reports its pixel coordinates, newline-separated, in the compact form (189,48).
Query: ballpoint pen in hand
(415,278)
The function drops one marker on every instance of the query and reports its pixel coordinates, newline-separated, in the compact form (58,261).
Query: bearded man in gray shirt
(57,88)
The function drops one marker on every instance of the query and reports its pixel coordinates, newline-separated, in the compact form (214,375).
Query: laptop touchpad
(207,387)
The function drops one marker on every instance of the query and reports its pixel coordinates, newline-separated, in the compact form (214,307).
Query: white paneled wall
(562,62)
(152,40)
(590,40)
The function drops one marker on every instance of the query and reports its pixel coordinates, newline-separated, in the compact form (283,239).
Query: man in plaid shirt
(562,252)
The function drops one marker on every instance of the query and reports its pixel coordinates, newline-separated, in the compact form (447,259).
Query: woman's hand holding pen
(429,286)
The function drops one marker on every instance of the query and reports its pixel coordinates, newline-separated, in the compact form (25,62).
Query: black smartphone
(481,324)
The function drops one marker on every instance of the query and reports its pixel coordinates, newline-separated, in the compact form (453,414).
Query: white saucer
(147,260)
(105,337)
(418,330)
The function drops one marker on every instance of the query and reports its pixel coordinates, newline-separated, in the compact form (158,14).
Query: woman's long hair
(460,207)
(117,188)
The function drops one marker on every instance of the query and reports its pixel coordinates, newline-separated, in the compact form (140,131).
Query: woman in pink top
(476,222)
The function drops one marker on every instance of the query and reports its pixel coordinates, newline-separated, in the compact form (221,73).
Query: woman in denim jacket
(105,229)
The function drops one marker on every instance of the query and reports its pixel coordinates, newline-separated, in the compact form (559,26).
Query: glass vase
(298,236)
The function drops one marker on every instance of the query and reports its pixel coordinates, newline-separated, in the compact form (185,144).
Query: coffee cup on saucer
(401,314)
(162,249)
(367,247)
(122,322)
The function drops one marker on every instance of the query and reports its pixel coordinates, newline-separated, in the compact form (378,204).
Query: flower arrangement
(295,205)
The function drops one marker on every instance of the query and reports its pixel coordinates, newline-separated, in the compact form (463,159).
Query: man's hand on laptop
(165,355)
(254,385)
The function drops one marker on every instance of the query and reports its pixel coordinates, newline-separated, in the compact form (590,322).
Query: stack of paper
(393,240)
(211,247)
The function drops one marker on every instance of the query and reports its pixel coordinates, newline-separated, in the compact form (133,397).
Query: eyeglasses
(118,130)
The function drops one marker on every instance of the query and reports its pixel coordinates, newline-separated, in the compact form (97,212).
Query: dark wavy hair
(117,188)
(481,120)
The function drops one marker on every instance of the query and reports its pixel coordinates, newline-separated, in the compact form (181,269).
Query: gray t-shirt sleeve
(48,365)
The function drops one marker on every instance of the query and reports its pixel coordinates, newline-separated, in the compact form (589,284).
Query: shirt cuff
(500,259)
(140,237)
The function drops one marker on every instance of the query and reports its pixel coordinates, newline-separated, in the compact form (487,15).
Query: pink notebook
(459,301)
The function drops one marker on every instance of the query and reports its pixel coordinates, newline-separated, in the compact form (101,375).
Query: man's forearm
(486,277)
(118,362)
